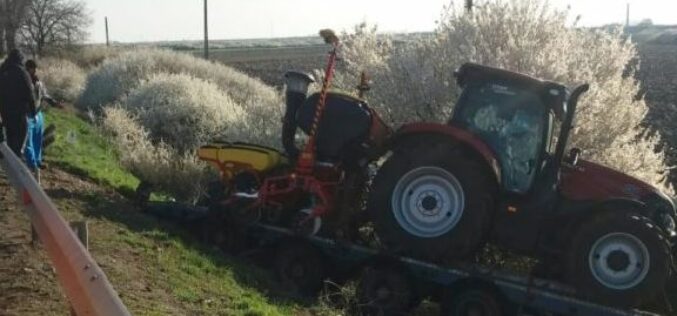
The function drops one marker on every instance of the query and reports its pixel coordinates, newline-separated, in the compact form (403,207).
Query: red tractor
(497,172)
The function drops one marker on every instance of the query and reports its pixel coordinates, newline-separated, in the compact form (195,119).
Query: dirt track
(28,284)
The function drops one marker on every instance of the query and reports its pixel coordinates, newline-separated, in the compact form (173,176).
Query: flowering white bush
(180,175)
(186,112)
(64,80)
(168,104)
(414,81)
(90,56)
(116,77)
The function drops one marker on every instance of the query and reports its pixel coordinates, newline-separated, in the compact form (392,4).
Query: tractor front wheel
(619,258)
(432,200)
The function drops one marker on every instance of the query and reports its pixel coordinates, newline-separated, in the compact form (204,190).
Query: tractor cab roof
(554,95)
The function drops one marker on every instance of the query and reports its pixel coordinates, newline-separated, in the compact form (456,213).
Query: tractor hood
(590,181)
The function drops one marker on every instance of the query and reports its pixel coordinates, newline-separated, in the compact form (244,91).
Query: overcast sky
(161,20)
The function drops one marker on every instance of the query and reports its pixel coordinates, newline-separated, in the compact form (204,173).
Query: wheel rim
(428,202)
(619,261)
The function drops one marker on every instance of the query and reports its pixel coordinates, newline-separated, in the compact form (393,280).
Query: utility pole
(468,5)
(107,42)
(627,14)
(206,34)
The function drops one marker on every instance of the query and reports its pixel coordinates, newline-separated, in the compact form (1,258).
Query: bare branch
(54,23)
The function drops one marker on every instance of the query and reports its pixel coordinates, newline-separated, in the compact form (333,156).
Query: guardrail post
(81,230)
(35,239)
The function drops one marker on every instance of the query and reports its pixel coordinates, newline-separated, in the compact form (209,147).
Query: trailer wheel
(243,213)
(300,268)
(217,230)
(471,302)
(215,192)
(229,239)
(385,292)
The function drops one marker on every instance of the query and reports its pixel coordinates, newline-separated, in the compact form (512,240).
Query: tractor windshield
(512,122)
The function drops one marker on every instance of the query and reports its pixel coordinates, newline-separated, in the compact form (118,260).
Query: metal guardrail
(85,284)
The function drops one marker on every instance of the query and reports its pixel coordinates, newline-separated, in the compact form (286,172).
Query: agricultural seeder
(496,172)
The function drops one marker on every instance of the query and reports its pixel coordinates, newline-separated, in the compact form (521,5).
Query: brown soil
(28,284)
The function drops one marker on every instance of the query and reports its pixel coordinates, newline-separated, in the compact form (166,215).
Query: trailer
(394,285)
(387,284)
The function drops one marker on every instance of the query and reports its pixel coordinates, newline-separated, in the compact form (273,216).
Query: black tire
(227,238)
(300,269)
(385,291)
(471,301)
(632,282)
(142,194)
(214,192)
(478,190)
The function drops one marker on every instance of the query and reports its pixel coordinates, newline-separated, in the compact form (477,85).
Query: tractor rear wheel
(619,258)
(432,200)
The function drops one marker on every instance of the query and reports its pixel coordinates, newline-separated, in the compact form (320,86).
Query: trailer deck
(519,294)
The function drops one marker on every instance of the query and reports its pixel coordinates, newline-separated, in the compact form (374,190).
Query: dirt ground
(28,284)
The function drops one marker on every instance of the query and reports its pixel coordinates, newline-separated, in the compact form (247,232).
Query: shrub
(525,36)
(179,175)
(167,104)
(90,56)
(116,77)
(186,112)
(64,80)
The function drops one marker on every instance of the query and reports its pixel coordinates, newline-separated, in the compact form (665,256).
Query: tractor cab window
(512,122)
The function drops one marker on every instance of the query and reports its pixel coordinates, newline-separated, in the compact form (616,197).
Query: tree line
(37,25)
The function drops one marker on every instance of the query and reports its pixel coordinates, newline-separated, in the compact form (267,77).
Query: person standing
(17,100)
(33,149)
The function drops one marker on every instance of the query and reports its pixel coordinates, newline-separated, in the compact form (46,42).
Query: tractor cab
(515,116)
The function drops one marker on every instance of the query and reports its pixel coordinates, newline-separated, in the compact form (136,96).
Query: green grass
(80,149)
(157,267)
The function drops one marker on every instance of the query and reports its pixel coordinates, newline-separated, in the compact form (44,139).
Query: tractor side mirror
(572,158)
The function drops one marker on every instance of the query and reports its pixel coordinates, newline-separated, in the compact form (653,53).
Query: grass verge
(80,149)
(157,267)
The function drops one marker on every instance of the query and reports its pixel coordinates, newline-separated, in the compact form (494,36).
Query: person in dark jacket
(33,149)
(17,100)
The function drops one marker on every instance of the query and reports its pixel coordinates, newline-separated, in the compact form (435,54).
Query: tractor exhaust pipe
(568,122)
(297,89)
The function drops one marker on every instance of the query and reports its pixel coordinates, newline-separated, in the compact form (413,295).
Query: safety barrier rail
(85,284)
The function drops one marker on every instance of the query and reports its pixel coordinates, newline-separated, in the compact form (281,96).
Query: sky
(165,20)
